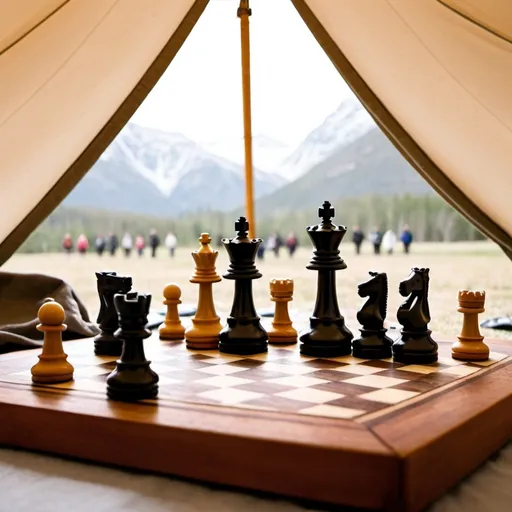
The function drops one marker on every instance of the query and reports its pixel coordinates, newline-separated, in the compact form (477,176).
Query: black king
(243,333)
(327,336)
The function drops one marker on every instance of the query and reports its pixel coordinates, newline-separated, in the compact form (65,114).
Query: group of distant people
(275,242)
(386,240)
(111,244)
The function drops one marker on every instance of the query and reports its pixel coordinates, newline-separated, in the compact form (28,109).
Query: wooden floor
(367,434)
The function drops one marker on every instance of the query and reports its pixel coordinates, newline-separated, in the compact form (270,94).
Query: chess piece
(281,292)
(204,332)
(132,378)
(53,365)
(172,329)
(470,346)
(108,284)
(373,342)
(243,333)
(415,345)
(327,336)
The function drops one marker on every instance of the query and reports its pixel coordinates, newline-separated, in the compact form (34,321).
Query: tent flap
(69,85)
(437,84)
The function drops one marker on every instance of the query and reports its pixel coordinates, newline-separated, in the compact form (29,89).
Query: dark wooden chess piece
(373,342)
(132,379)
(327,336)
(415,345)
(243,333)
(108,284)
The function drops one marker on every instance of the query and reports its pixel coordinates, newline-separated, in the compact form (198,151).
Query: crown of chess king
(326,238)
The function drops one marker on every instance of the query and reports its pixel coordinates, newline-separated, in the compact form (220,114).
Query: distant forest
(429,217)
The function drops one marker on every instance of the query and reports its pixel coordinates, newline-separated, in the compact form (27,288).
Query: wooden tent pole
(243,13)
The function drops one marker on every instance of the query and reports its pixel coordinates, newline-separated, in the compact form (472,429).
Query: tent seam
(69,57)
(441,65)
(475,22)
(38,24)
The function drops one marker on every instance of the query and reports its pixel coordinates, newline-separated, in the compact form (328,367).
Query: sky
(294,85)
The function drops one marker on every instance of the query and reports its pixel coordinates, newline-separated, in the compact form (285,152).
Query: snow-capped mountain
(346,124)
(267,153)
(151,171)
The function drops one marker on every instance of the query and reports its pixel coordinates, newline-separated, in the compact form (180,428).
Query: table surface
(37,483)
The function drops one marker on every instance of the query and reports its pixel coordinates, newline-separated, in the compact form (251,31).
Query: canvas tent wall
(435,74)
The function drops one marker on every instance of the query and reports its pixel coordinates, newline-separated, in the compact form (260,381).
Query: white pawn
(171,328)
(53,365)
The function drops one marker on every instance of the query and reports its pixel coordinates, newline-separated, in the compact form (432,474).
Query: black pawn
(373,343)
(132,379)
(108,284)
(415,345)
(243,333)
(327,336)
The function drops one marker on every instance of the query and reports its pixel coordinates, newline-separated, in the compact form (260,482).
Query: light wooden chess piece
(470,346)
(53,365)
(204,332)
(281,291)
(172,329)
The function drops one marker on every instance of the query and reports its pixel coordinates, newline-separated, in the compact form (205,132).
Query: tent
(435,75)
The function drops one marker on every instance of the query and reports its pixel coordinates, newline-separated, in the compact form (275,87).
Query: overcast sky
(294,84)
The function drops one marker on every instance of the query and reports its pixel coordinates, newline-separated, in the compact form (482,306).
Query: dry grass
(455,266)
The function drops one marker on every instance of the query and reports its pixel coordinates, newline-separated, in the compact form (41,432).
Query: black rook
(327,336)
(132,379)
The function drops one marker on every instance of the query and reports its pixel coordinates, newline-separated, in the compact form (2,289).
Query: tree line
(429,217)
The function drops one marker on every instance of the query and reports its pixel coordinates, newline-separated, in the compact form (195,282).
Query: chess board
(374,434)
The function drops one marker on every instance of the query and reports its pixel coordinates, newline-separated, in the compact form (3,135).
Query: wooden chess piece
(243,333)
(53,365)
(204,332)
(172,329)
(281,292)
(327,335)
(108,284)
(373,342)
(132,379)
(470,346)
(415,345)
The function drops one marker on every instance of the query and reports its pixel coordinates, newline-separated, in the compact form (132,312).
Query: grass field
(475,265)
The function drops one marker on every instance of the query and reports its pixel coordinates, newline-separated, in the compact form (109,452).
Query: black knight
(415,345)
(373,343)
(109,283)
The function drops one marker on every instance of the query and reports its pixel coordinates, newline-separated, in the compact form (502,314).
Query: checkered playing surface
(282,379)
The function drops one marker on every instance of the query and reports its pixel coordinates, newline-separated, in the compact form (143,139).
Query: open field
(454,266)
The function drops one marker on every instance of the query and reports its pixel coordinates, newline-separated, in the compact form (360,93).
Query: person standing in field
(100,244)
(170,242)
(292,243)
(67,243)
(113,243)
(406,238)
(82,244)
(127,244)
(376,240)
(389,241)
(140,244)
(154,242)
(357,238)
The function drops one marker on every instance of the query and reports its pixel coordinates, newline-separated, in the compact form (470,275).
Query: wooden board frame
(401,459)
